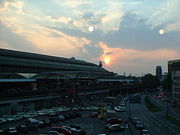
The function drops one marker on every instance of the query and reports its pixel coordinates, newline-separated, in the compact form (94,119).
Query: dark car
(67,116)
(78,114)
(22,128)
(41,124)
(47,122)
(54,119)
(72,115)
(139,125)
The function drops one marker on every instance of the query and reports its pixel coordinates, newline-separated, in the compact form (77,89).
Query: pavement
(153,121)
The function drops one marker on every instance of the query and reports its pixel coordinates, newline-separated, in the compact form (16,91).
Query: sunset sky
(131,36)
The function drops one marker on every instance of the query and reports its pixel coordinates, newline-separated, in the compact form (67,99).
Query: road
(153,121)
(173,111)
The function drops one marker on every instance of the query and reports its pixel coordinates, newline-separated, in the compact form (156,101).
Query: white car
(120,109)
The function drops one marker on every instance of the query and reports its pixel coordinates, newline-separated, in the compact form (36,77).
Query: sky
(131,36)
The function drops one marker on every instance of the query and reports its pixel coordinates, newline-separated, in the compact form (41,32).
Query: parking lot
(82,116)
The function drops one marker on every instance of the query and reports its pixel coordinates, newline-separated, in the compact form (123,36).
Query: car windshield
(94,63)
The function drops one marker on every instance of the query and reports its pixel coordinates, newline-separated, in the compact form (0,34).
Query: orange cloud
(61,44)
(132,58)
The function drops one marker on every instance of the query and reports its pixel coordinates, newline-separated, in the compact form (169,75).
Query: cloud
(134,33)
(128,59)
(172,27)
(5,45)
(76,3)
(166,13)
(62,19)
(6,6)
(12,40)
(61,44)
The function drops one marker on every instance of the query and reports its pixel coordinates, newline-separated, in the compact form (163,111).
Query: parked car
(41,123)
(139,125)
(47,122)
(119,109)
(67,116)
(74,126)
(62,130)
(75,131)
(54,133)
(115,127)
(78,114)
(12,131)
(61,118)
(22,128)
(3,120)
(114,120)
(54,119)
(145,132)
(134,119)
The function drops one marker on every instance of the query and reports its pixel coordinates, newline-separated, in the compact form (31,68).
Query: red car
(114,121)
(62,130)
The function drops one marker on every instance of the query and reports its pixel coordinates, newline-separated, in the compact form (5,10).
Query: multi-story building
(159,71)
(174,69)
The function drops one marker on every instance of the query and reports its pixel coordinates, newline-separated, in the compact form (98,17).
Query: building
(174,69)
(40,81)
(159,71)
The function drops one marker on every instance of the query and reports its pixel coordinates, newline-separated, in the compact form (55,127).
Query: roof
(35,63)
(27,55)
(11,76)
(17,80)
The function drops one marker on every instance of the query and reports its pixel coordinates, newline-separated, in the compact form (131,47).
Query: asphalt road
(153,121)
(174,111)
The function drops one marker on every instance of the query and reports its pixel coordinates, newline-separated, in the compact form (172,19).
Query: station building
(27,78)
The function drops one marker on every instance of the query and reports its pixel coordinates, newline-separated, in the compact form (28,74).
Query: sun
(106,60)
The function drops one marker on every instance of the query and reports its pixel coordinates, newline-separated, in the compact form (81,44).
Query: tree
(167,82)
(150,81)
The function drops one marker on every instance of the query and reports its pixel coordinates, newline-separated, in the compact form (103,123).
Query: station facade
(65,81)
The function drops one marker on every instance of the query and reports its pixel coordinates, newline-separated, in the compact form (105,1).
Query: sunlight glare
(106,59)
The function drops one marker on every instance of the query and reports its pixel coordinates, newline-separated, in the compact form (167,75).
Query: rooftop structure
(24,62)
